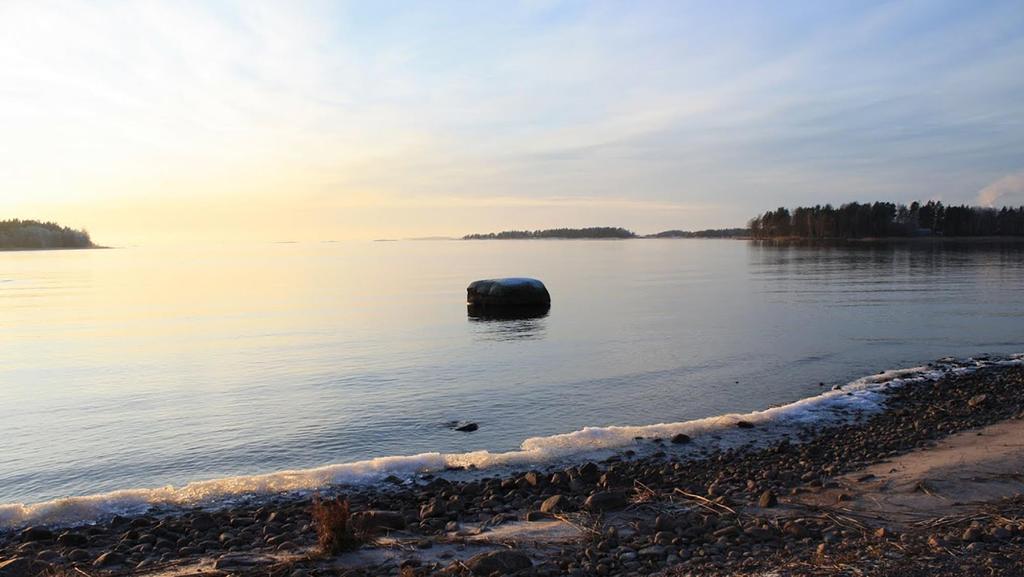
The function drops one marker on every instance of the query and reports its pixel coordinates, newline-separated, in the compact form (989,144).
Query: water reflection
(508,324)
(882,274)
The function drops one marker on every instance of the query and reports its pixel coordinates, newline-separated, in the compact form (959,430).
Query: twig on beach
(951,520)
(846,521)
(156,567)
(706,503)
(644,493)
(590,529)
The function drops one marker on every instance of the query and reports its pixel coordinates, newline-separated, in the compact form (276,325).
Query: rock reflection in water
(507,324)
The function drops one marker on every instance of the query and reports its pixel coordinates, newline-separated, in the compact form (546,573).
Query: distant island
(18,234)
(592,232)
(886,219)
(707,233)
(606,232)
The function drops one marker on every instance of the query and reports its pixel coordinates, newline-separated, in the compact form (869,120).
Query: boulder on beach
(605,501)
(506,293)
(373,522)
(501,562)
(16,567)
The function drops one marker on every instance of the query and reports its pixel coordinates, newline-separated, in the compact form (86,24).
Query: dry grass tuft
(332,521)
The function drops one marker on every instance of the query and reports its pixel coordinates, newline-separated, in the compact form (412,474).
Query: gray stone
(973,534)
(589,472)
(502,562)
(533,478)
(16,567)
(664,523)
(109,558)
(49,556)
(36,534)
(553,504)
(378,521)
(78,555)
(1000,534)
(605,501)
(432,509)
(69,539)
(654,551)
(203,522)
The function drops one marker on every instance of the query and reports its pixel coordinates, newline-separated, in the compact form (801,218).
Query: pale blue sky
(368,119)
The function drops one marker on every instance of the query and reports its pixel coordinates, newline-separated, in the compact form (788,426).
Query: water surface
(143,367)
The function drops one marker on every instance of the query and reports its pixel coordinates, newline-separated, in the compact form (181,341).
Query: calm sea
(147,367)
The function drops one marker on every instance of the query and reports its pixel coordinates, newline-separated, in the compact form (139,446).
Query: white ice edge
(861,395)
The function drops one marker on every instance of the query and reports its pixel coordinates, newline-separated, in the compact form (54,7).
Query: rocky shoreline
(740,511)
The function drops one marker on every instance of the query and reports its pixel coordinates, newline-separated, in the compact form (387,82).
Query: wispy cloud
(1007,190)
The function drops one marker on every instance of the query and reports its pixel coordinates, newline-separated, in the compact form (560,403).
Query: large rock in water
(507,293)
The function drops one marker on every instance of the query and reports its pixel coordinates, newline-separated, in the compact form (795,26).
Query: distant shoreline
(605,233)
(51,248)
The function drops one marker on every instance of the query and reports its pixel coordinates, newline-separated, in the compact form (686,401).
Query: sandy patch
(953,477)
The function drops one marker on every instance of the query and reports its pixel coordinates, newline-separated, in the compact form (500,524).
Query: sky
(149,121)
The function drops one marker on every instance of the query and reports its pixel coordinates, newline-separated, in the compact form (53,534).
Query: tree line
(28,234)
(882,219)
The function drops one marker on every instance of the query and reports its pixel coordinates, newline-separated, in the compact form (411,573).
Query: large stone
(108,559)
(36,534)
(652,552)
(378,521)
(432,509)
(69,539)
(508,292)
(502,562)
(78,555)
(203,522)
(16,567)
(767,499)
(972,534)
(605,501)
(533,479)
(553,504)
(589,472)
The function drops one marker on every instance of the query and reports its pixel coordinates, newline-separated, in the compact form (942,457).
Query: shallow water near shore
(149,367)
